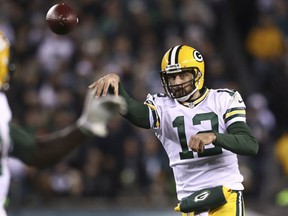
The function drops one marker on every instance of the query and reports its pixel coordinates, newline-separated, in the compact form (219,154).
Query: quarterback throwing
(202,130)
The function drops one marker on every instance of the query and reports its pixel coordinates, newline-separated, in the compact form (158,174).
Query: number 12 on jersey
(196,120)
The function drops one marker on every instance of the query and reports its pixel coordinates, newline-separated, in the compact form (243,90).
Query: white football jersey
(5,118)
(174,123)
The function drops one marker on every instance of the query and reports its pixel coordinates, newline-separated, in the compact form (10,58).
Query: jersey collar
(203,93)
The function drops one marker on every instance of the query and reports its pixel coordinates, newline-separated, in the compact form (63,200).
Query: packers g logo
(202,196)
(197,56)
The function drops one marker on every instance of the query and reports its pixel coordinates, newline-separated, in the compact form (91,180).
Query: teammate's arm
(46,150)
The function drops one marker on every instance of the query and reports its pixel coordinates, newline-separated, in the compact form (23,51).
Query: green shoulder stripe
(234,112)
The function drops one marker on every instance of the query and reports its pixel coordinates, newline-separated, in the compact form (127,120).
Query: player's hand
(98,112)
(198,141)
(101,86)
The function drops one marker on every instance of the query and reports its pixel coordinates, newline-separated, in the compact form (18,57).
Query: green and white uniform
(174,123)
(4,148)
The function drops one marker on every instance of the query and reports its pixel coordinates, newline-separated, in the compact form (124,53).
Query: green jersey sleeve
(138,113)
(239,139)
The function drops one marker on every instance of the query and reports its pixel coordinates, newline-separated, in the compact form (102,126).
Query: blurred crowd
(244,44)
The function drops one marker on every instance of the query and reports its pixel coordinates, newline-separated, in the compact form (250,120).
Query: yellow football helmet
(4,61)
(178,59)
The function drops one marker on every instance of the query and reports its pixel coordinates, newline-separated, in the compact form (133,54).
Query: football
(61,18)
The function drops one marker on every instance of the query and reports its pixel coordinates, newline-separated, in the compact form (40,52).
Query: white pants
(202,214)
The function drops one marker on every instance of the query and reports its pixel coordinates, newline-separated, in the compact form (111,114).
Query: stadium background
(245,47)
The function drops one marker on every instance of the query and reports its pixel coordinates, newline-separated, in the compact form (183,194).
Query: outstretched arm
(137,113)
(46,150)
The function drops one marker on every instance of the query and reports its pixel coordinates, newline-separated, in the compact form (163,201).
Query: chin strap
(187,97)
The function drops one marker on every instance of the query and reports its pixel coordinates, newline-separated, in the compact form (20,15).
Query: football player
(201,129)
(47,150)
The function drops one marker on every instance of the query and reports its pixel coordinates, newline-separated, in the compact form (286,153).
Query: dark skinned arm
(47,150)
